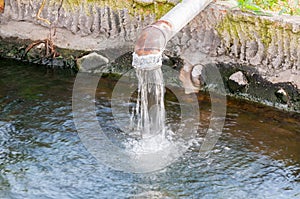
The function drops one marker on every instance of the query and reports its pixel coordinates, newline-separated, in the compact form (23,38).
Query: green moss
(157,8)
(263,6)
(232,24)
(278,39)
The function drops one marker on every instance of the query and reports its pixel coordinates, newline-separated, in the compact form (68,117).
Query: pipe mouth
(147,62)
(153,38)
(150,46)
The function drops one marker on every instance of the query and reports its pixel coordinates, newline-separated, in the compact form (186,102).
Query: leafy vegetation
(291,7)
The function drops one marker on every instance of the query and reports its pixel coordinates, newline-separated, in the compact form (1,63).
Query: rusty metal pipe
(153,39)
(150,45)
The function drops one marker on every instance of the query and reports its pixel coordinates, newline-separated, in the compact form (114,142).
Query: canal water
(42,156)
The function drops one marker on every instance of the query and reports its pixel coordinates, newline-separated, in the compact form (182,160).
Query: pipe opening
(150,45)
(153,39)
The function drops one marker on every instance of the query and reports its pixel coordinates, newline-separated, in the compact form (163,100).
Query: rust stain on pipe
(2,6)
(153,38)
(164,23)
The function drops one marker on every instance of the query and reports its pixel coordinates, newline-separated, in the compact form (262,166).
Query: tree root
(50,51)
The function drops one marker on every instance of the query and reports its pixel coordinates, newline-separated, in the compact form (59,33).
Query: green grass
(291,7)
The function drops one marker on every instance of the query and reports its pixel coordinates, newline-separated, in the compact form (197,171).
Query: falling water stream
(156,146)
(150,106)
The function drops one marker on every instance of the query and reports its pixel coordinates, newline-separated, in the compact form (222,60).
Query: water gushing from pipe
(150,103)
(147,59)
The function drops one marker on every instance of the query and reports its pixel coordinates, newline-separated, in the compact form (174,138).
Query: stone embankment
(258,56)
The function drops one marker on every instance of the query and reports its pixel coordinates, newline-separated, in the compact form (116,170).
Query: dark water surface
(41,155)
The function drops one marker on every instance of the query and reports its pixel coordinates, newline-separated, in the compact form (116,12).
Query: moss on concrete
(265,28)
(159,8)
(247,24)
(272,42)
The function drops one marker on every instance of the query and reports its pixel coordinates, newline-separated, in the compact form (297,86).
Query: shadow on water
(41,155)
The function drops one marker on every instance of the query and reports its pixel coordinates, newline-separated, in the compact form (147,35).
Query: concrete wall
(268,46)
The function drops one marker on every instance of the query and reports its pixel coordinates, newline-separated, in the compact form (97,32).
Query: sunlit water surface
(41,155)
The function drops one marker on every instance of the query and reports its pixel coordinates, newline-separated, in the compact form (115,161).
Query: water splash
(149,114)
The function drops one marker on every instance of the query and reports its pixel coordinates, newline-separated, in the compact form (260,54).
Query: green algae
(251,27)
(265,6)
(158,8)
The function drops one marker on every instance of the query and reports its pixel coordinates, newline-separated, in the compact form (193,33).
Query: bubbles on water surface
(147,121)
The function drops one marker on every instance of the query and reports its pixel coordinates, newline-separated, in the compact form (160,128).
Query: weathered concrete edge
(202,42)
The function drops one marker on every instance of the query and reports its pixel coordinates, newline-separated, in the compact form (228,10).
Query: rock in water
(90,62)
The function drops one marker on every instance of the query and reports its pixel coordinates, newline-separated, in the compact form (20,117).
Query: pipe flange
(147,62)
